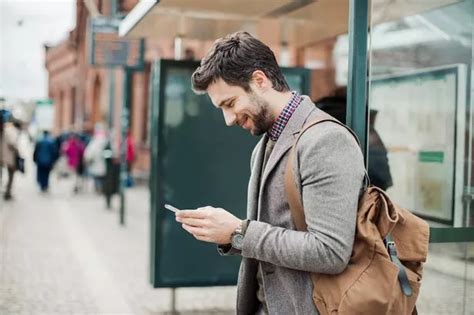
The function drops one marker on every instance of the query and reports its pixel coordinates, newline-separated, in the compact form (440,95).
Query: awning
(296,22)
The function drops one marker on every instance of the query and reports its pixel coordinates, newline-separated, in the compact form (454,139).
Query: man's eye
(231,105)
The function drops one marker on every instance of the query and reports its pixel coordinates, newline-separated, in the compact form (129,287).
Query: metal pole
(113,7)
(123,142)
(111,76)
(173,301)
(356,116)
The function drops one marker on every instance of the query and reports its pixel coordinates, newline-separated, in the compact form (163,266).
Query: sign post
(107,49)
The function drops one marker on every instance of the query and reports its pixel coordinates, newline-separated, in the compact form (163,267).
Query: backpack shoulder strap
(291,189)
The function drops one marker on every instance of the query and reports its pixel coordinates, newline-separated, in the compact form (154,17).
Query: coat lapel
(288,136)
(255,174)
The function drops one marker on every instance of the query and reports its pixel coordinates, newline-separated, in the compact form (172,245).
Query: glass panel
(421,107)
(448,280)
(421,132)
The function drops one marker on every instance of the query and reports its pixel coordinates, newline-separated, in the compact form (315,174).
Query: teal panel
(196,161)
(451,235)
(299,79)
(431,156)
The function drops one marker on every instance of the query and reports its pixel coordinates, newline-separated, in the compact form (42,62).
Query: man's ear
(260,80)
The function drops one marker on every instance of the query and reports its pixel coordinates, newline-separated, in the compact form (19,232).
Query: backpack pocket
(377,291)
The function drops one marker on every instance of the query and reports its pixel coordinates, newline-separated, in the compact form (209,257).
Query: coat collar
(288,136)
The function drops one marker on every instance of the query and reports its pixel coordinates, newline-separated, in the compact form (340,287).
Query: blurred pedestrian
(130,159)
(61,163)
(334,106)
(73,148)
(9,154)
(44,155)
(378,168)
(94,156)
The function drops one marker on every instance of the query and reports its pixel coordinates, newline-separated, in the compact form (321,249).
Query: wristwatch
(237,237)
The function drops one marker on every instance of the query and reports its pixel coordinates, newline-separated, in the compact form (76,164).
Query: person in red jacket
(130,157)
(73,148)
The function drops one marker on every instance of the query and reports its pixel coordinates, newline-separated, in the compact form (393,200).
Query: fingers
(192,221)
(200,213)
(197,232)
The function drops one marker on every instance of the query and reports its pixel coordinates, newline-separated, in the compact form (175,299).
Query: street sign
(107,49)
(44,114)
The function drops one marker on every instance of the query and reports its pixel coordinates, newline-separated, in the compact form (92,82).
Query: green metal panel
(299,79)
(356,114)
(451,235)
(196,161)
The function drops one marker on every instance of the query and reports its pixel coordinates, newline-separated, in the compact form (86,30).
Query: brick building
(82,93)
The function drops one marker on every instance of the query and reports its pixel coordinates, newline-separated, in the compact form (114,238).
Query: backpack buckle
(402,274)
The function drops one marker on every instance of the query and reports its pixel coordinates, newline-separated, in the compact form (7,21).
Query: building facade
(85,95)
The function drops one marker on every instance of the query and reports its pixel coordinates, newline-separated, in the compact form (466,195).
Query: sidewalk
(62,253)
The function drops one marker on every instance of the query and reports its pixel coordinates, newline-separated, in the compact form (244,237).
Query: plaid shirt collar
(278,126)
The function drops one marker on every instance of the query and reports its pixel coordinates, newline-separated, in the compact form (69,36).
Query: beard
(262,119)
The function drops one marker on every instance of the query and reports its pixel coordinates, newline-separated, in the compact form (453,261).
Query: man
(9,155)
(241,76)
(44,156)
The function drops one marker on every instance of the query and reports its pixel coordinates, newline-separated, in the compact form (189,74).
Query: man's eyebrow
(225,101)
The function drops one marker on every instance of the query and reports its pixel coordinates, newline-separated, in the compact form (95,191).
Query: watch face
(237,241)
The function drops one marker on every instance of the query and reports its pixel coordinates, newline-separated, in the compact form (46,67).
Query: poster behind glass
(416,117)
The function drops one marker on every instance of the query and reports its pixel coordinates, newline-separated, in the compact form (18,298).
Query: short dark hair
(234,58)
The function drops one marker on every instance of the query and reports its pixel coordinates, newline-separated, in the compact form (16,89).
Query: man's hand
(209,224)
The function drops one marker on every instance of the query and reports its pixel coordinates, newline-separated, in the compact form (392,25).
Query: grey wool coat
(330,173)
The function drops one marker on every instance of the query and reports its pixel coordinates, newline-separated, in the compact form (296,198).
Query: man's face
(246,109)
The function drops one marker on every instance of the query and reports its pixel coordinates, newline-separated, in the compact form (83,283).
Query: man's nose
(229,117)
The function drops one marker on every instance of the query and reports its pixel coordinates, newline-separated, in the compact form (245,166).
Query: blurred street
(102,96)
(65,253)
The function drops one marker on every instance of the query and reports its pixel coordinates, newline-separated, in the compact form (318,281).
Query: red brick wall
(60,62)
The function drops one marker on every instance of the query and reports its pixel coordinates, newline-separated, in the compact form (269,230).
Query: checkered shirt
(278,126)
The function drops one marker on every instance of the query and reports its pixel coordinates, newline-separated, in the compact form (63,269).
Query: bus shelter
(408,73)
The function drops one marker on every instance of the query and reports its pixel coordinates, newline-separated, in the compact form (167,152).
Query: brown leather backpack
(385,269)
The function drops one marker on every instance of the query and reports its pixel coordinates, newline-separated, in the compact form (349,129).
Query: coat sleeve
(330,172)
(11,138)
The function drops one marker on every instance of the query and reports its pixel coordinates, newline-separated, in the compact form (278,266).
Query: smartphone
(171,208)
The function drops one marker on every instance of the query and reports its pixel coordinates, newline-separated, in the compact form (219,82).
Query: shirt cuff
(227,250)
